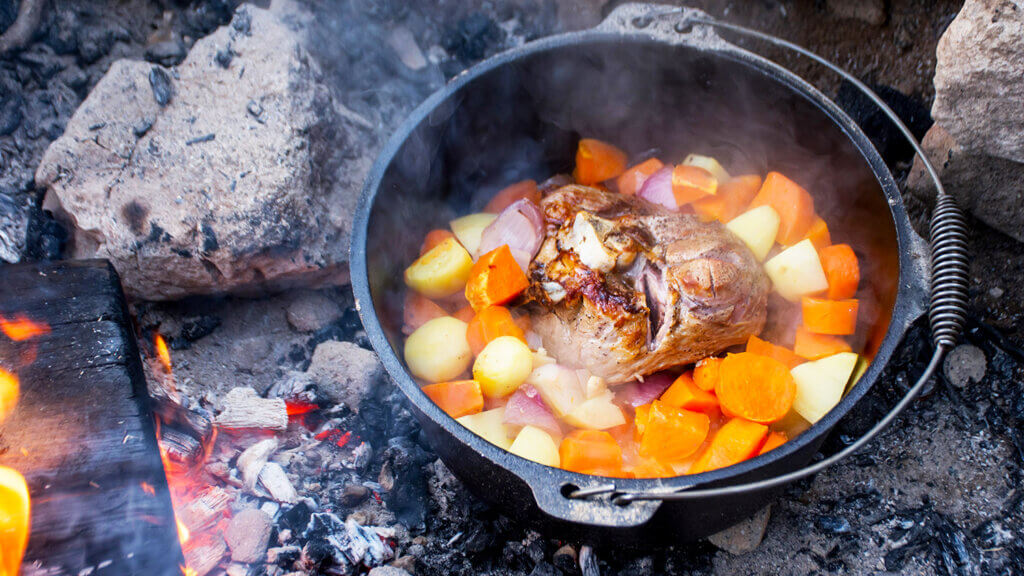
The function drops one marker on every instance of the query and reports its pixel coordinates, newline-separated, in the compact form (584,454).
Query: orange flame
(148,488)
(8,393)
(21,328)
(183,533)
(15,514)
(186,571)
(162,353)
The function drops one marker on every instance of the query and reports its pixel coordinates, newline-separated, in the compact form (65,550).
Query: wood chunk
(251,461)
(203,559)
(244,408)
(206,510)
(277,484)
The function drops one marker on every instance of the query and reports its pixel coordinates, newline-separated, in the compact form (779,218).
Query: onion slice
(521,227)
(525,407)
(658,189)
(638,393)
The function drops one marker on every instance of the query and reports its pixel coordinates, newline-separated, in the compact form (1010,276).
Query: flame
(186,571)
(162,353)
(148,488)
(8,393)
(183,533)
(15,515)
(21,328)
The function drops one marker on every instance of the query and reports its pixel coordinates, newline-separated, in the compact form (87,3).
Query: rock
(869,11)
(206,198)
(345,372)
(565,559)
(166,53)
(312,311)
(745,536)
(247,536)
(388,571)
(965,364)
(977,142)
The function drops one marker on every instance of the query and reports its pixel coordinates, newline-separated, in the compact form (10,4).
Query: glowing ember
(8,393)
(297,408)
(14,520)
(148,488)
(21,328)
(163,353)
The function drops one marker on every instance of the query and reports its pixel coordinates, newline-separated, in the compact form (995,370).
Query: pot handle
(949,266)
(580,503)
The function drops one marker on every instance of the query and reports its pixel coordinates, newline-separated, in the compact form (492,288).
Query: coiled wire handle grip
(947,308)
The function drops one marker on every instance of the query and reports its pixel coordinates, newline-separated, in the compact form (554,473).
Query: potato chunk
(441,272)
(438,350)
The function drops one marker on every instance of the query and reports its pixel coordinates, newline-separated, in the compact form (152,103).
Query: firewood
(204,511)
(244,408)
(251,461)
(277,484)
(203,559)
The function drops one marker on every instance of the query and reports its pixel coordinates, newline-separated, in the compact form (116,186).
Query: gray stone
(247,535)
(345,372)
(388,571)
(966,364)
(869,11)
(977,142)
(745,536)
(311,311)
(209,198)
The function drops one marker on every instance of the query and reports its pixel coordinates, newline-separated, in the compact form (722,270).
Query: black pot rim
(906,308)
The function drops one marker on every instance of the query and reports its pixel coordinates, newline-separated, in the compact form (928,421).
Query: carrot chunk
(705,373)
(640,417)
(433,238)
(597,161)
(590,451)
(672,434)
(465,313)
(793,204)
(836,317)
(691,183)
(684,394)
(841,269)
(730,201)
(506,196)
(418,310)
(819,235)
(633,179)
(458,398)
(764,348)
(736,441)
(651,468)
(775,439)
(495,279)
(490,323)
(814,346)
(757,388)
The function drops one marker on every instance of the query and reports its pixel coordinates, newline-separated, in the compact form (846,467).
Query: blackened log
(83,431)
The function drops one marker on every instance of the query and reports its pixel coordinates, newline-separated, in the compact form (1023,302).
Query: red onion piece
(520,226)
(525,407)
(658,189)
(638,393)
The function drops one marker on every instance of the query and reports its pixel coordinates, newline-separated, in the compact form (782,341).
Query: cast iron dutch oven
(643,79)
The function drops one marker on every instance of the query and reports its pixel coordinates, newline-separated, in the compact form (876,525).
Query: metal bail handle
(948,301)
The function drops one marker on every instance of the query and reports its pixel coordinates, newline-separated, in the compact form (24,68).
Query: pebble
(166,53)
(160,82)
(388,571)
(312,311)
(248,535)
(745,536)
(354,495)
(996,292)
(565,559)
(965,364)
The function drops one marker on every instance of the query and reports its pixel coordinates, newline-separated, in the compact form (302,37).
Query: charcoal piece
(565,559)
(46,237)
(223,57)
(544,569)
(832,524)
(141,127)
(588,562)
(297,517)
(886,136)
(255,109)
(160,82)
(167,53)
(472,38)
(408,497)
(11,104)
(242,22)
(62,33)
(195,328)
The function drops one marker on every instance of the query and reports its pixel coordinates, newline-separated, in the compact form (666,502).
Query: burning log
(202,559)
(244,408)
(205,511)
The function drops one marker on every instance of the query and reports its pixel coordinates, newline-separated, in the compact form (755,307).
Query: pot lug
(669,24)
(597,510)
(918,272)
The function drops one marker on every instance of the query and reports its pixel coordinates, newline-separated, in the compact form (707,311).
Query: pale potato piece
(596,414)
(469,229)
(438,350)
(502,366)
(490,426)
(559,387)
(757,228)
(535,444)
(441,272)
(710,164)
(820,384)
(797,271)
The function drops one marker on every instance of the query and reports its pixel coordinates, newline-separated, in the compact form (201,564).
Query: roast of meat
(623,288)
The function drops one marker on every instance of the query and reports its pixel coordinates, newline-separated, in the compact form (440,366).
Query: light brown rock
(345,372)
(247,535)
(311,311)
(744,536)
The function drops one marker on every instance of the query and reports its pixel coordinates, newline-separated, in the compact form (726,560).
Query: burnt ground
(937,493)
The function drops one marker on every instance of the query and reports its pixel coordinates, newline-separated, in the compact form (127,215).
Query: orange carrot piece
(705,373)
(490,323)
(793,204)
(506,196)
(633,179)
(590,451)
(495,279)
(819,234)
(730,201)
(597,161)
(458,398)
(775,439)
(433,238)
(651,468)
(836,317)
(691,183)
(756,388)
(672,434)
(465,313)
(684,394)
(736,441)
(640,417)
(418,310)
(813,346)
(841,269)
(764,348)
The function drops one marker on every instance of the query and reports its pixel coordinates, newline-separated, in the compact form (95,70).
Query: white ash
(252,460)
(351,544)
(275,481)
